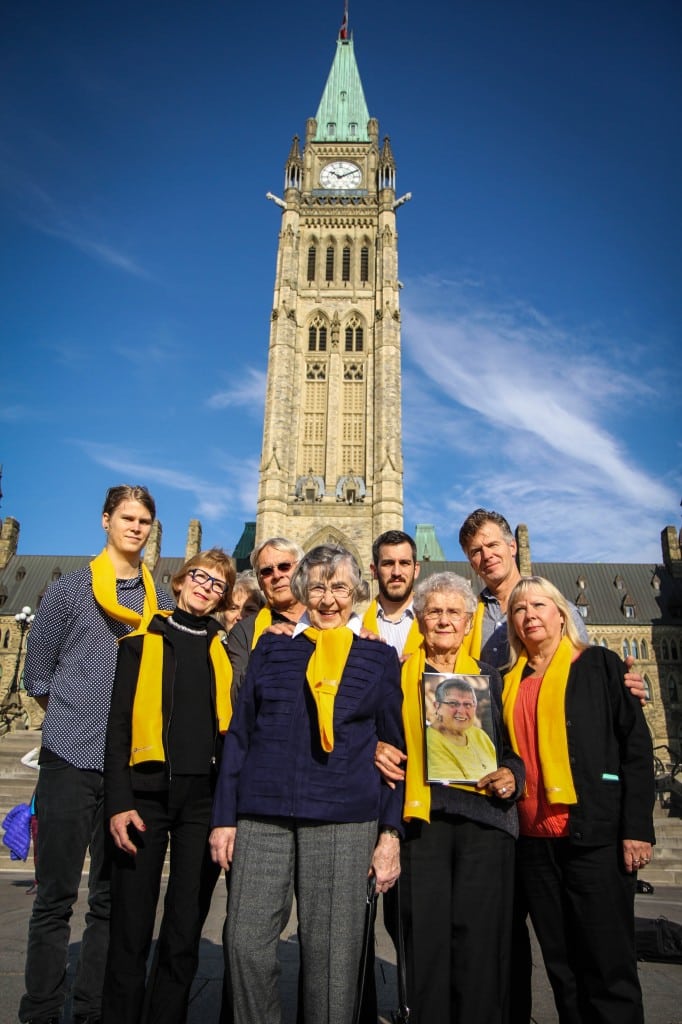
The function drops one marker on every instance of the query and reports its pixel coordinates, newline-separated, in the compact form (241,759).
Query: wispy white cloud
(248,392)
(16,413)
(35,206)
(526,416)
(211,500)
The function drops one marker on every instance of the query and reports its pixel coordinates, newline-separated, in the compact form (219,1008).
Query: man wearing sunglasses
(274,562)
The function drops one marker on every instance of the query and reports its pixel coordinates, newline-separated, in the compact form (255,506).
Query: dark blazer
(610,752)
(273,763)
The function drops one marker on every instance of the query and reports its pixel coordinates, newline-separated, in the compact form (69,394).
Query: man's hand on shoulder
(281,628)
(634,682)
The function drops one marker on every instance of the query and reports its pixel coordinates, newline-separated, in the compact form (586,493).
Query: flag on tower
(343,31)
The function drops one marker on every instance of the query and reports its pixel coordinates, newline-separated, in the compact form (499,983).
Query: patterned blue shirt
(71,656)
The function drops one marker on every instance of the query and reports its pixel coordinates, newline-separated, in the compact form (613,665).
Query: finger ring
(503,790)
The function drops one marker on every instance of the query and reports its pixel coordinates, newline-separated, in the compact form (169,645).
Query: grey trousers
(328,866)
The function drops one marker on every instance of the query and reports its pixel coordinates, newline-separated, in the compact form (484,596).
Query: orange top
(537,817)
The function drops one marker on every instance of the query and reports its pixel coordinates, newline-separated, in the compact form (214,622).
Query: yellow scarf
(263,622)
(370,621)
(147,722)
(551,721)
(104,591)
(324,672)
(473,641)
(417,790)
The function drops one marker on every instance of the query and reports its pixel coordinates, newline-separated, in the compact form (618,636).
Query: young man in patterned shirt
(70,666)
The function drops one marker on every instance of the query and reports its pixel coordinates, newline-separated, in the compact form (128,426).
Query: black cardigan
(610,753)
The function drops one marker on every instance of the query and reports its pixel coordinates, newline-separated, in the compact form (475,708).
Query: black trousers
(180,816)
(581,903)
(457,890)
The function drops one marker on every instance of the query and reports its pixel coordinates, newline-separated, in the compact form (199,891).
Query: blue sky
(540,257)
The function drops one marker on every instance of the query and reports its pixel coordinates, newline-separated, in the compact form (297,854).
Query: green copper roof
(428,547)
(342,115)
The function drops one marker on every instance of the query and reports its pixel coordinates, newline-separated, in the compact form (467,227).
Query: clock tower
(331,466)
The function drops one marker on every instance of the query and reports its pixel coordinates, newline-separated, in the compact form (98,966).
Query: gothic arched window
(355,337)
(317,335)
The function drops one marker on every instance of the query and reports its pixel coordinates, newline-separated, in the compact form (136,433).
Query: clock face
(340,174)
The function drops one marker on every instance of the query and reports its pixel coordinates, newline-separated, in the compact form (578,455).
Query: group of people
(262,727)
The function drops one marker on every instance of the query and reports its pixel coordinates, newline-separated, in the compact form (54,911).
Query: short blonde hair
(525,584)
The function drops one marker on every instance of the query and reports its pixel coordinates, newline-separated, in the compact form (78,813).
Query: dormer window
(656,581)
(21,572)
(628,607)
(583,606)
(56,573)
(582,582)
(618,583)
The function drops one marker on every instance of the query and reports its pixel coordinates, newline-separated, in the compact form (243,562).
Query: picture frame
(459,736)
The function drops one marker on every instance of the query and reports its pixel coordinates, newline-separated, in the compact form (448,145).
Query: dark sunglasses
(282,567)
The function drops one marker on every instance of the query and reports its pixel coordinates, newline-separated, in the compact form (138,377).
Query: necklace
(186,629)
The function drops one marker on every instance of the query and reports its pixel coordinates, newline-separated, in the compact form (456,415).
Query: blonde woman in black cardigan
(586,814)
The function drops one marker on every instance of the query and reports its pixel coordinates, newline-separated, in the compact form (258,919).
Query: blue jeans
(70,819)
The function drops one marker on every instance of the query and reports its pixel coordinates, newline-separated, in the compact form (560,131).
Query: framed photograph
(459,736)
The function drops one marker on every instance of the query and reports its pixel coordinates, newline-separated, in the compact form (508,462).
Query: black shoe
(86,1018)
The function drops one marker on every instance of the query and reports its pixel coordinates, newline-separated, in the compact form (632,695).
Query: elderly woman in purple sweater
(299,802)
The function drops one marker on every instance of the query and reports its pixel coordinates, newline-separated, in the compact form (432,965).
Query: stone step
(663,876)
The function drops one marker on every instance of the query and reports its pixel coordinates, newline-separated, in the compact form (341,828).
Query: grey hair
(453,684)
(248,581)
(328,557)
(444,582)
(290,547)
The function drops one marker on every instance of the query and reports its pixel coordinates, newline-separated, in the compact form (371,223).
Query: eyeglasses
(466,704)
(339,591)
(203,578)
(268,570)
(445,613)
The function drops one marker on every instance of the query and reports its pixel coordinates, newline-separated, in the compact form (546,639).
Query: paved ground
(662,983)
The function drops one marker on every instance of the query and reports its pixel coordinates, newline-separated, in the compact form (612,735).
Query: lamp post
(12,703)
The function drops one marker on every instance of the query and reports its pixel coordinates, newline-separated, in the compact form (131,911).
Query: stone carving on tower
(333,398)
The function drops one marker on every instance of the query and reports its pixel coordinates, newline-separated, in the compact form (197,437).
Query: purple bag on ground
(17,826)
